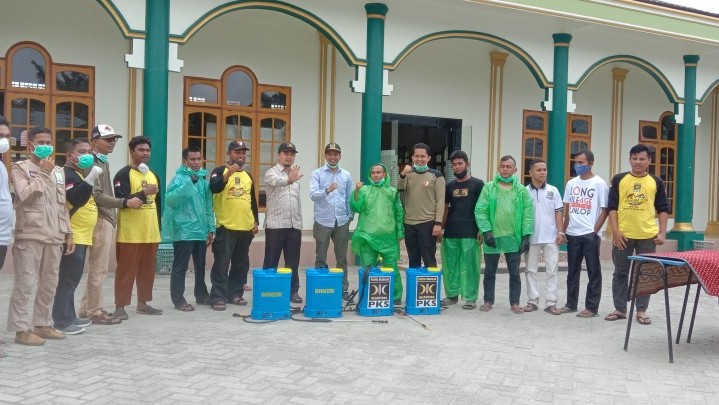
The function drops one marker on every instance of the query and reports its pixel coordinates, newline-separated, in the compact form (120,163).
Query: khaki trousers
(97,265)
(36,265)
(136,263)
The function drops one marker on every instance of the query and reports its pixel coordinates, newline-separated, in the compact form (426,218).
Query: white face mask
(143,168)
(4,145)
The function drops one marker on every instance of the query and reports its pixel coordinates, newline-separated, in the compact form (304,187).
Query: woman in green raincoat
(381,223)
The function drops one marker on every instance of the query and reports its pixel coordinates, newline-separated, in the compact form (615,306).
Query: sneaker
(346,296)
(82,322)
(73,330)
(120,313)
(48,332)
(295,298)
(28,338)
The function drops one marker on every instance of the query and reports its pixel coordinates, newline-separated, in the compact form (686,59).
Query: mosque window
(661,138)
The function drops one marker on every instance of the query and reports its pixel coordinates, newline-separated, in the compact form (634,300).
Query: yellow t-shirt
(233,206)
(83,220)
(139,226)
(636,204)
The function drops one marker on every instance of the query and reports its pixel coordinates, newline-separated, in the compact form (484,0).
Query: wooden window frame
(658,144)
(3,73)
(189,81)
(185,137)
(261,88)
(255,93)
(576,137)
(60,149)
(531,133)
(62,67)
(48,67)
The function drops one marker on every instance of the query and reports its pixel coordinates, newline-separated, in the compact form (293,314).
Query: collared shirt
(7,214)
(547,202)
(284,209)
(331,208)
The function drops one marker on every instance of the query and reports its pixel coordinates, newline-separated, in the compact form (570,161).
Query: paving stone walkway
(467,357)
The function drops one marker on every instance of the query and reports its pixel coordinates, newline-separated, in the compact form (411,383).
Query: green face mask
(505,180)
(420,169)
(85,161)
(201,173)
(102,157)
(379,183)
(42,151)
(332,166)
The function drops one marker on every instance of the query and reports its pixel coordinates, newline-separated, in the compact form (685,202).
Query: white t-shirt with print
(586,198)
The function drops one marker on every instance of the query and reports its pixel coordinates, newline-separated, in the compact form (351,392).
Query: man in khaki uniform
(43,224)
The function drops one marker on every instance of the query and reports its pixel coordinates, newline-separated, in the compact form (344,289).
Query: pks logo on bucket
(427,291)
(379,288)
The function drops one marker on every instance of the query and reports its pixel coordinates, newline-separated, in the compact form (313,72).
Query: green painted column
(683,231)
(371,143)
(556,145)
(155,83)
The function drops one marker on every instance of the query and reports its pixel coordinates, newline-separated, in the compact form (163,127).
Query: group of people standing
(61,216)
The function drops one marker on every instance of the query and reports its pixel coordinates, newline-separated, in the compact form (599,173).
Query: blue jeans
(183,249)
(71,267)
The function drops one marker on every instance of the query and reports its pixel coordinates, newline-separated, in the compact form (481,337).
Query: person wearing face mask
(505,216)
(104,139)
(380,226)
(7,214)
(636,200)
(237,223)
(585,211)
(188,221)
(461,240)
(138,231)
(423,200)
(43,225)
(330,189)
(83,217)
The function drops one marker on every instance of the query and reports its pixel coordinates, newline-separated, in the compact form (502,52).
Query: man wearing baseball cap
(103,141)
(237,221)
(330,189)
(283,215)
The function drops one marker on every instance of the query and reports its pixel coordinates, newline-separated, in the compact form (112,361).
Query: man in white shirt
(547,237)
(585,209)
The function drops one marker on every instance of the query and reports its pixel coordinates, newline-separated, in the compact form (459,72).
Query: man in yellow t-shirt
(237,223)
(138,231)
(636,198)
(83,217)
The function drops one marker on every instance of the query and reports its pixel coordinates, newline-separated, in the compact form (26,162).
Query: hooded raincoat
(508,214)
(188,208)
(380,227)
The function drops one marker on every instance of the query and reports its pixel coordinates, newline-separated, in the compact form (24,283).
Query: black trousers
(421,245)
(231,249)
(183,250)
(491,263)
(285,241)
(3,252)
(584,248)
(71,267)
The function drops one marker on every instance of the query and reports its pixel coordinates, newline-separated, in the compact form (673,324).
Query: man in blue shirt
(330,189)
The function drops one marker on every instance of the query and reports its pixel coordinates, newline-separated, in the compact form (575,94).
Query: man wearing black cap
(283,216)
(237,222)
(104,139)
(330,189)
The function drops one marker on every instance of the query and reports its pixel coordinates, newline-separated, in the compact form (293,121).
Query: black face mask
(461,174)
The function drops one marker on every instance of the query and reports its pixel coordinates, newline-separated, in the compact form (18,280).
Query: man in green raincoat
(381,223)
(505,216)
(188,221)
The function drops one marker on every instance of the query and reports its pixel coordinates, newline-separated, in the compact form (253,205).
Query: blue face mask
(102,157)
(582,169)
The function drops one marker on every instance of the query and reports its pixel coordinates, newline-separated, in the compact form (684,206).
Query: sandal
(644,320)
(446,302)
(553,310)
(517,309)
(530,308)
(486,307)
(469,305)
(565,310)
(148,310)
(586,314)
(246,287)
(218,306)
(238,301)
(104,318)
(615,316)
(185,307)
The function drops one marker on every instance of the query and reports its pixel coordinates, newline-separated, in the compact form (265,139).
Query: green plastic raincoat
(188,208)
(493,211)
(379,228)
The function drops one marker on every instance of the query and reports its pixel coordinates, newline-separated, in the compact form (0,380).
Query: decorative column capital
(498,58)
(691,60)
(619,74)
(376,10)
(562,39)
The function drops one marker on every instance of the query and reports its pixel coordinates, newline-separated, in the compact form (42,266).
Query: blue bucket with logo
(424,291)
(324,293)
(376,294)
(271,293)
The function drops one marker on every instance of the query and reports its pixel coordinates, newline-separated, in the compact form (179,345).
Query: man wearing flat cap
(283,215)
(330,189)
(237,220)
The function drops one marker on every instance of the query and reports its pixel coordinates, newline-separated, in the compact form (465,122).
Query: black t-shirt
(462,198)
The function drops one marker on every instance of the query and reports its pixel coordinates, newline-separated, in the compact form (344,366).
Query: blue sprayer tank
(324,293)
(271,293)
(424,291)
(377,295)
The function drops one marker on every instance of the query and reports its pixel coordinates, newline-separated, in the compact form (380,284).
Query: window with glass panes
(34,91)
(534,140)
(579,139)
(661,138)
(257,114)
